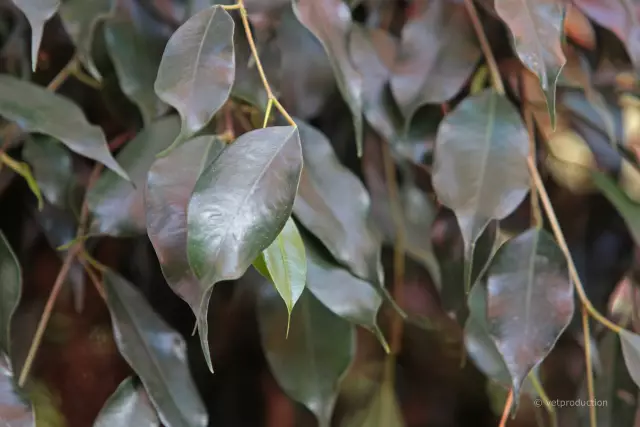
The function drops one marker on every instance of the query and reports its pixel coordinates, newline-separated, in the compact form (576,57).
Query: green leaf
(239,205)
(170,182)
(330,21)
(480,163)
(627,208)
(529,301)
(15,411)
(311,362)
(334,205)
(340,291)
(381,410)
(435,74)
(128,406)
(38,110)
(10,292)
(631,351)
(136,57)
(38,12)
(81,18)
(286,263)
(156,353)
(198,68)
(537,29)
(117,208)
(23,169)
(52,168)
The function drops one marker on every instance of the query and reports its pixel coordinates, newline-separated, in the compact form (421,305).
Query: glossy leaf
(383,409)
(38,110)
(81,18)
(156,353)
(170,182)
(239,205)
(15,411)
(330,21)
(333,204)
(128,406)
(480,163)
(311,362)
(537,26)
(117,207)
(10,291)
(628,209)
(136,57)
(38,12)
(530,301)
(198,68)
(435,74)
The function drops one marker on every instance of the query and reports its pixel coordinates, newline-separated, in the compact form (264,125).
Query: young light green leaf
(10,292)
(156,353)
(333,204)
(128,406)
(239,205)
(23,169)
(36,109)
(117,207)
(81,18)
(530,301)
(198,68)
(628,209)
(381,410)
(311,362)
(15,411)
(136,57)
(434,75)
(537,26)
(480,163)
(330,21)
(38,12)
(170,182)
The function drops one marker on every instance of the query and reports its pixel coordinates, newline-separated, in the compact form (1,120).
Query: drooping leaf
(10,292)
(529,301)
(311,362)
(170,182)
(631,351)
(330,21)
(198,68)
(537,26)
(286,264)
(36,109)
(435,74)
(128,406)
(81,18)
(38,12)
(334,205)
(382,409)
(239,205)
(117,207)
(156,353)
(480,163)
(15,411)
(136,57)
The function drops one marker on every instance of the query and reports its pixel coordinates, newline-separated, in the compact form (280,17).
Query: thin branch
(64,74)
(536,213)
(507,409)
(589,366)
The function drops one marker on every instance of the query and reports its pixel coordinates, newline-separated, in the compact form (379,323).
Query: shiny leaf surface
(38,12)
(14,411)
(631,351)
(128,406)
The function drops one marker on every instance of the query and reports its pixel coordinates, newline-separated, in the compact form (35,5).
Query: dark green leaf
(36,109)
(311,362)
(537,28)
(136,57)
(334,205)
(239,205)
(330,21)
(435,74)
(627,208)
(15,412)
(116,206)
(128,406)
(198,68)
(156,353)
(529,301)
(10,291)
(170,183)
(480,163)
(381,410)
(38,12)
(80,18)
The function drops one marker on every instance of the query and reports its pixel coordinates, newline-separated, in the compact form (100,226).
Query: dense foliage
(343,213)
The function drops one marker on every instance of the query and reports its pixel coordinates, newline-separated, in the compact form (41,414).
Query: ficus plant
(364,213)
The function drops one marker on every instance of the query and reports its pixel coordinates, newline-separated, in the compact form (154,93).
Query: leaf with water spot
(38,12)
